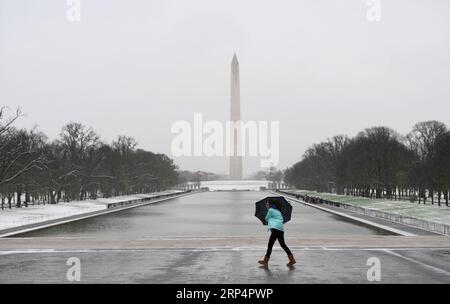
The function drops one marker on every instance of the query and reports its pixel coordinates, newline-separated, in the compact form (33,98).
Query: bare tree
(76,166)
(379,163)
(422,141)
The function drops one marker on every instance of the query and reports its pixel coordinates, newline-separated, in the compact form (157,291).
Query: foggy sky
(134,67)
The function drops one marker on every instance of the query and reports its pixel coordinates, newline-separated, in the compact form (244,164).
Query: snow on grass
(16,217)
(427,212)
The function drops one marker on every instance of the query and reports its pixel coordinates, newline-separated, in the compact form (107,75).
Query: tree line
(380,163)
(76,166)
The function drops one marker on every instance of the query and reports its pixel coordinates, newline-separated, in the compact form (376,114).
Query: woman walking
(274,219)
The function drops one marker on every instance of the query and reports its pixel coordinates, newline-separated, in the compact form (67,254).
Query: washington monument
(235,116)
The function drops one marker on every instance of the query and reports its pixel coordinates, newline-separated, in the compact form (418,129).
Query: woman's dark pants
(277,235)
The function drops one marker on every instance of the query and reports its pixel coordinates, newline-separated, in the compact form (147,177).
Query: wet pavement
(213,237)
(314,265)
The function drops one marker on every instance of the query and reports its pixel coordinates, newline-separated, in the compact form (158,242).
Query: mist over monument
(235,116)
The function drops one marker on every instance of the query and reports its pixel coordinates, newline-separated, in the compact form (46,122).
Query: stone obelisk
(235,116)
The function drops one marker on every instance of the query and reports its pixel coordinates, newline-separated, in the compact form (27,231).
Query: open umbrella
(282,204)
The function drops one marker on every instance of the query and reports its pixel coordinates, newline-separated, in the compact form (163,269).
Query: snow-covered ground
(428,212)
(16,217)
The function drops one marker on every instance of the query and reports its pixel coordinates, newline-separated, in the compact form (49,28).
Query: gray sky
(134,67)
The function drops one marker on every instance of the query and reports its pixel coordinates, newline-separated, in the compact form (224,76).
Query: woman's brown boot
(292,261)
(264,261)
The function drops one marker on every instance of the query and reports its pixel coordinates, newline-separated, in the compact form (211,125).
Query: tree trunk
(27,198)
(52,195)
(19,200)
(378,193)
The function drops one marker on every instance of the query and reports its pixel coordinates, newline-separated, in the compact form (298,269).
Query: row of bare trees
(76,166)
(380,163)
